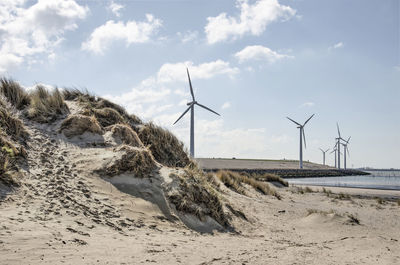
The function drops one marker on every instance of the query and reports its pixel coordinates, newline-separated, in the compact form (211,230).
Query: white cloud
(337,46)
(253,19)
(308,104)
(130,32)
(157,90)
(29,31)
(115,8)
(188,36)
(226,105)
(170,72)
(258,52)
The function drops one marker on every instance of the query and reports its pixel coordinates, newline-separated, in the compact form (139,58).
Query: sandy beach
(308,228)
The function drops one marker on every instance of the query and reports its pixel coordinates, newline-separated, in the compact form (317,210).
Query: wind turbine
(338,144)
(191,108)
(323,154)
(335,150)
(346,150)
(302,136)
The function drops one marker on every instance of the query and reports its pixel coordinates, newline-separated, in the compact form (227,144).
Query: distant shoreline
(362,192)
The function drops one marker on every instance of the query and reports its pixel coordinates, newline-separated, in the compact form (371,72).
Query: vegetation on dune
(164,146)
(14,93)
(103,109)
(107,116)
(46,106)
(140,162)
(196,196)
(234,181)
(78,124)
(269,177)
(125,134)
(12,134)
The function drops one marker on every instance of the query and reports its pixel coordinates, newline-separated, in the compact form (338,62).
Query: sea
(383,180)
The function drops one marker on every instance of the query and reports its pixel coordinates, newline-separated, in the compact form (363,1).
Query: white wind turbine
(323,154)
(302,136)
(334,151)
(191,108)
(346,150)
(338,145)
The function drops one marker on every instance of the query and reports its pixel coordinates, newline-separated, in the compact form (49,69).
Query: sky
(254,62)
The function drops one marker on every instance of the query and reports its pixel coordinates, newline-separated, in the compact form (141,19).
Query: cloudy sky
(255,62)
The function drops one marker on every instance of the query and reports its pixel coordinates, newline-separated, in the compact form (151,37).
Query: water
(385,180)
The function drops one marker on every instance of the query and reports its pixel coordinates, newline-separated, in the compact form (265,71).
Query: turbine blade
(348,140)
(308,119)
(334,150)
(207,108)
(183,114)
(327,150)
(347,149)
(321,150)
(337,125)
(294,121)
(190,84)
(304,138)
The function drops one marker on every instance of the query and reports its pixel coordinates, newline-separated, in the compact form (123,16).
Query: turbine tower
(323,154)
(302,136)
(346,150)
(338,143)
(335,150)
(191,108)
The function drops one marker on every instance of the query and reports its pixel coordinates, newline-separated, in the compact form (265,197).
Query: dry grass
(140,162)
(78,124)
(302,190)
(196,196)
(212,179)
(14,93)
(90,103)
(353,220)
(164,146)
(269,177)
(105,116)
(125,135)
(10,124)
(8,168)
(398,202)
(234,180)
(46,106)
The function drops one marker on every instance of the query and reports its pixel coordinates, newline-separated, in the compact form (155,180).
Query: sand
(66,214)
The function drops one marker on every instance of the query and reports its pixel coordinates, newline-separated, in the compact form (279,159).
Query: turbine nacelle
(191,103)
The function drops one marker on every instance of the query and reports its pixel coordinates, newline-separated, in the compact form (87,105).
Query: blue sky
(255,62)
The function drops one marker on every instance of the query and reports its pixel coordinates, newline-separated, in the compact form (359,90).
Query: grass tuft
(164,146)
(78,124)
(10,124)
(196,196)
(46,106)
(234,180)
(14,93)
(125,134)
(140,162)
(105,116)
(269,177)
